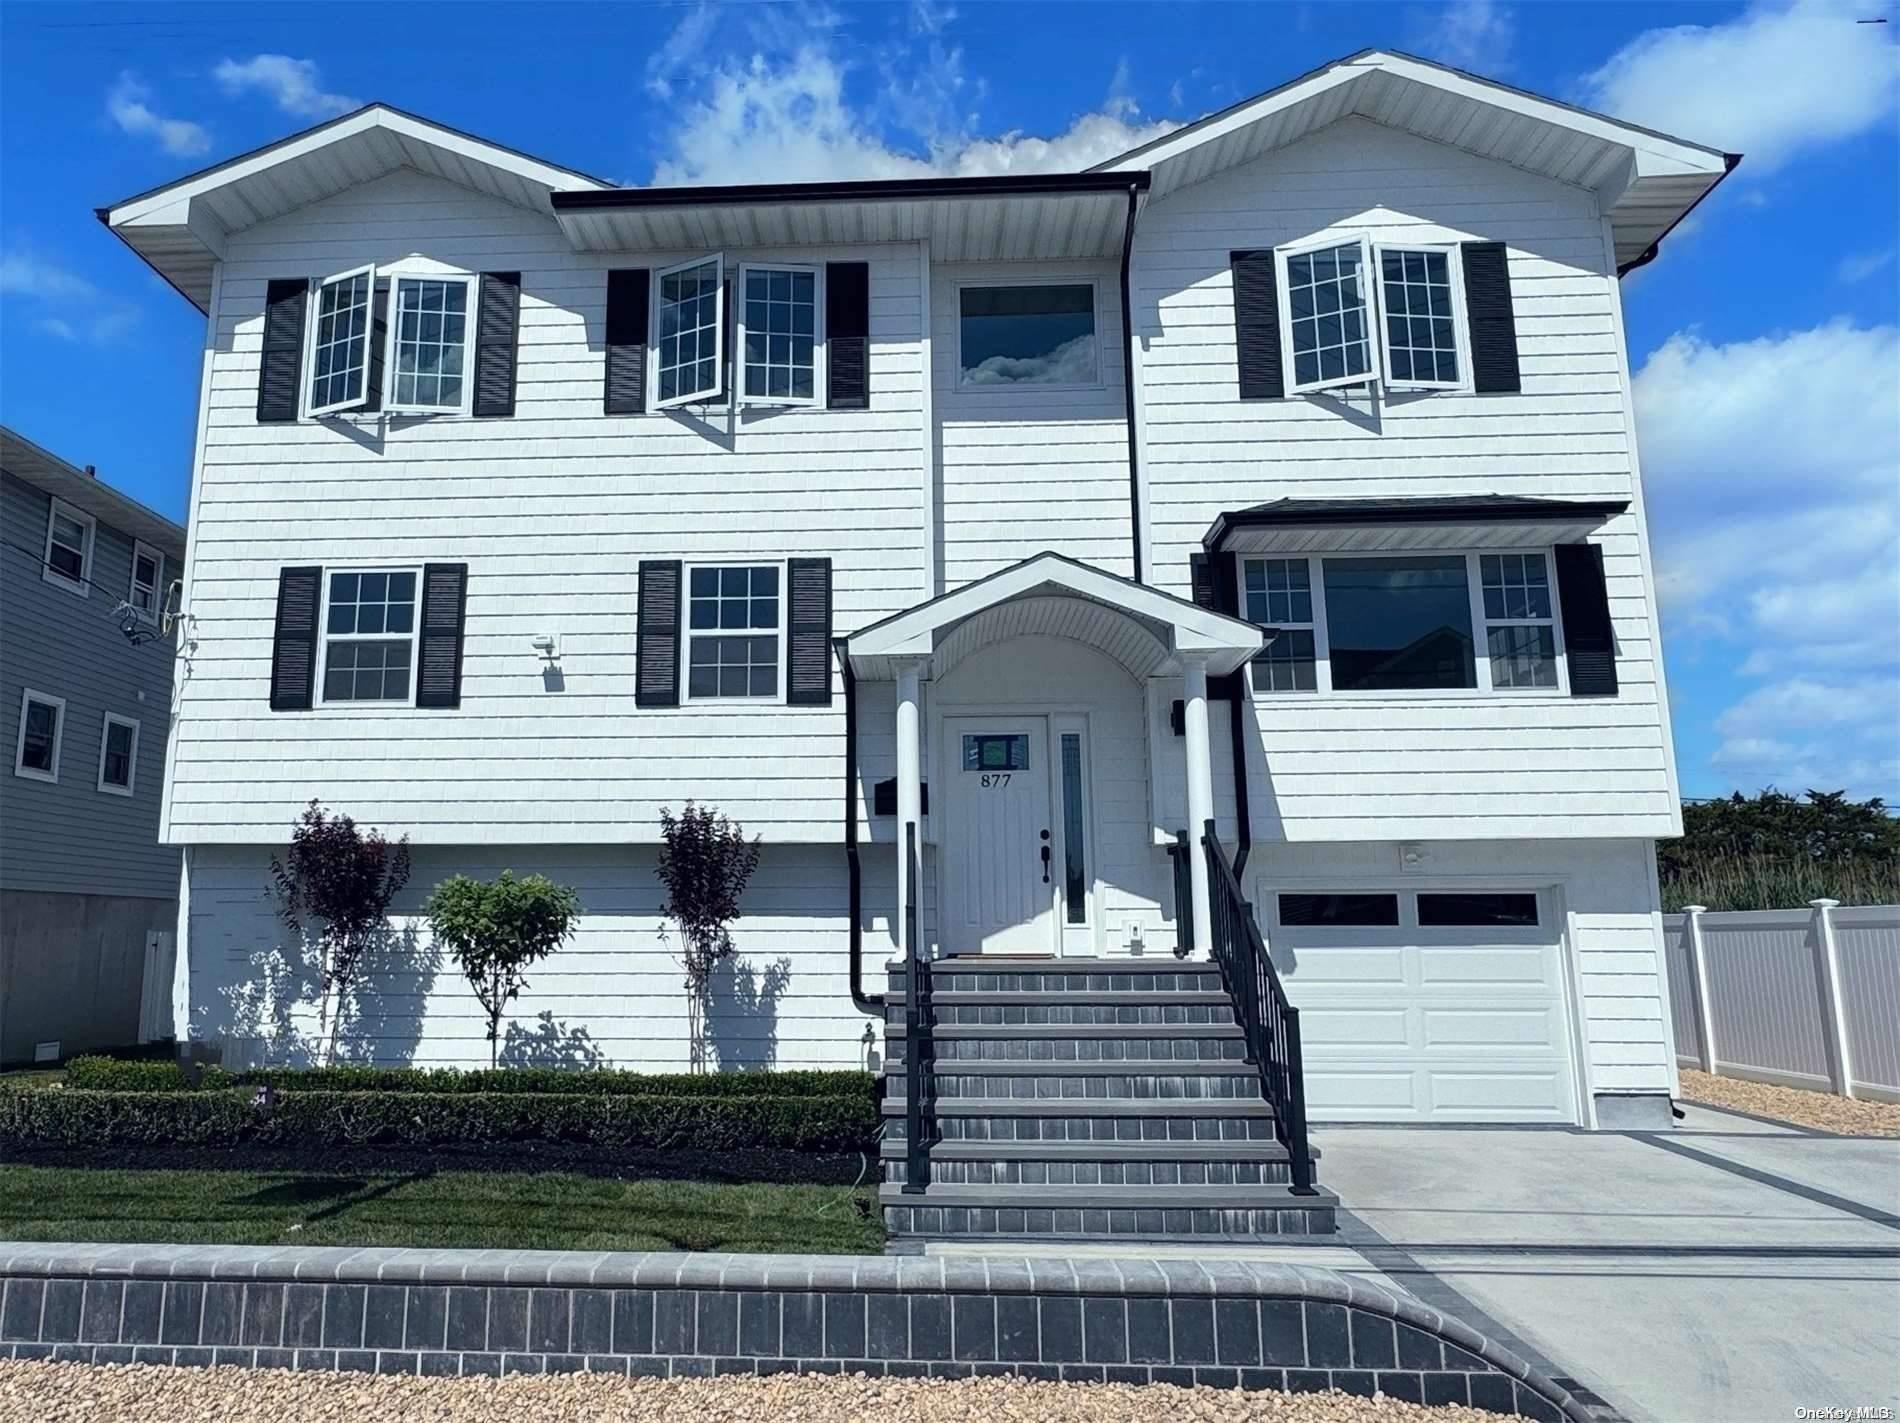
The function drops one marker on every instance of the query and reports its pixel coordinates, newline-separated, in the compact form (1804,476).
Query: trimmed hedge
(229,1117)
(100,1074)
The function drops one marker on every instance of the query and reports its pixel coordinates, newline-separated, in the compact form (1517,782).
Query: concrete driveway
(1727,1270)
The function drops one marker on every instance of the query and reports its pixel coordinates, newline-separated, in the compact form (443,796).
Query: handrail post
(917,1064)
(1298,1149)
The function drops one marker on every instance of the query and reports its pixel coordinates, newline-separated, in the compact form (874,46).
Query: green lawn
(548,1211)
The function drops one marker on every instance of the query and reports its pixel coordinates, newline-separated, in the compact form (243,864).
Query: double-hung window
(1355,312)
(42,723)
(118,755)
(734,631)
(690,331)
(148,575)
(779,337)
(429,339)
(68,558)
(1406,622)
(339,341)
(369,636)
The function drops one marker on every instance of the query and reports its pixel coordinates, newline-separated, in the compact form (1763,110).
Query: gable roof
(83,489)
(1646,181)
(180,228)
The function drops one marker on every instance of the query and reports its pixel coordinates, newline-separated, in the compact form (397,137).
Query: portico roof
(1147,631)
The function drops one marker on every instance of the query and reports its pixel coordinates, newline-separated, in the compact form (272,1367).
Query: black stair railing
(920,1075)
(1179,853)
(1270,1024)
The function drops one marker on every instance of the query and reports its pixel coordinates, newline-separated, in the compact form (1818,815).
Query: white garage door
(1427,1005)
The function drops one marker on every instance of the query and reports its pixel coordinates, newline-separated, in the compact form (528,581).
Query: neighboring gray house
(88,897)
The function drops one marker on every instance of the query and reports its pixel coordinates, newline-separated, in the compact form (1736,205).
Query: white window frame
(1099,382)
(325,637)
(308,374)
(1375,366)
(1480,625)
(717,392)
(471,319)
(83,586)
(1483,624)
(141,549)
(113,719)
(818,369)
(1461,337)
(782,632)
(32,773)
(1315,596)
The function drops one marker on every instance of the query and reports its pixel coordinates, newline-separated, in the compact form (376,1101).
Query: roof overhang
(44,470)
(181,228)
(1010,217)
(1645,182)
(1147,631)
(1292,526)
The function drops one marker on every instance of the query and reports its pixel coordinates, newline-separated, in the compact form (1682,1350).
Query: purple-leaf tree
(343,879)
(705,861)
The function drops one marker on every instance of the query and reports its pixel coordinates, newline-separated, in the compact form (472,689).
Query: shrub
(496,928)
(230,1117)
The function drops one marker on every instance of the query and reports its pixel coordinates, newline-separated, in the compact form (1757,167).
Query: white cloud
(64,305)
(1773,467)
(294,85)
(1777,79)
(1861,266)
(22,273)
(127,105)
(682,50)
(1471,34)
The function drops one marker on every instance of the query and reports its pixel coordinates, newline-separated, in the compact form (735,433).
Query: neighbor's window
(148,571)
(1520,627)
(1398,624)
(118,755)
(369,634)
(1278,598)
(36,753)
(339,341)
(778,332)
(1040,334)
(732,632)
(1328,327)
(687,318)
(1421,341)
(68,547)
(429,337)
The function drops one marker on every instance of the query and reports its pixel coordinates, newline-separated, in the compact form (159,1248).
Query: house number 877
(996,781)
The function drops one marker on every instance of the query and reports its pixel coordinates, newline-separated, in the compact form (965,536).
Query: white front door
(999,846)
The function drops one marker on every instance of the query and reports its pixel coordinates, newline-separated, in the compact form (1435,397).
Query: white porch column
(1200,798)
(910,787)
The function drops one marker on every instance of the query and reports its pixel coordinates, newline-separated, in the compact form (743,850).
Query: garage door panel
(1360,1096)
(1327,963)
(1480,967)
(1470,1094)
(1505,1029)
(1351,1026)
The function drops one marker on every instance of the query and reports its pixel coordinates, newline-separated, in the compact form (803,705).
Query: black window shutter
(657,635)
(1201,574)
(808,644)
(848,335)
(497,328)
(1257,325)
(293,654)
(1589,639)
(378,345)
(628,290)
(439,653)
(1488,313)
(280,369)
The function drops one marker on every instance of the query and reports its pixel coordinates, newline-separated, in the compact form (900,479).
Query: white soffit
(1408,537)
(1646,181)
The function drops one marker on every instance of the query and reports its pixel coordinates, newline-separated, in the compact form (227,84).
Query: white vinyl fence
(1801,997)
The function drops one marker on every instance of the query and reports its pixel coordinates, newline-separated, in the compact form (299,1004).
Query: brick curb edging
(1223,1323)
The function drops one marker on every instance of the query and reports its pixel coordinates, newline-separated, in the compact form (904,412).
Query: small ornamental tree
(705,861)
(496,928)
(344,878)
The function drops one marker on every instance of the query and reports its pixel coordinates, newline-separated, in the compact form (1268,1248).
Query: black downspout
(872,1003)
(1128,379)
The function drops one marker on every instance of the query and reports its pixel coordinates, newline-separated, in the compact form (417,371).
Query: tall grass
(1736,882)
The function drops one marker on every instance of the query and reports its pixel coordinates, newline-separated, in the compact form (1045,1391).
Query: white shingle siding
(1371,768)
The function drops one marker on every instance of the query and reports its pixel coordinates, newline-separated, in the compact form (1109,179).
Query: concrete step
(945,1212)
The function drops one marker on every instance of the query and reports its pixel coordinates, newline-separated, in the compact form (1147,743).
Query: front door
(999,847)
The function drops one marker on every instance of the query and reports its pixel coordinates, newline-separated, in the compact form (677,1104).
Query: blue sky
(1764,339)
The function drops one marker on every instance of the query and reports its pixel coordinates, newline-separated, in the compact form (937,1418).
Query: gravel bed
(47,1391)
(1821,1110)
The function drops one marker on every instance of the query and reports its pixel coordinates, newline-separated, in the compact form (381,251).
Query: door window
(990,751)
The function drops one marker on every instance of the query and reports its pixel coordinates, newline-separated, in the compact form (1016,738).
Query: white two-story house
(1246,534)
